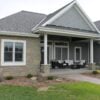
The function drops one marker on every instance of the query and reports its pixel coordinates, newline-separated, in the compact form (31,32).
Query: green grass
(69,91)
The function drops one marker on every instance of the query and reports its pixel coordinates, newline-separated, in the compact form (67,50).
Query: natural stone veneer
(32,57)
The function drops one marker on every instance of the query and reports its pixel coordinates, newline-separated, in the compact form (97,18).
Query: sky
(8,7)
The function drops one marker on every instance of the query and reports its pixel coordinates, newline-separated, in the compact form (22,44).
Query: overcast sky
(7,7)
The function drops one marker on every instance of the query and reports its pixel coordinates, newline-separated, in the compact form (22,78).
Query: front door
(77,56)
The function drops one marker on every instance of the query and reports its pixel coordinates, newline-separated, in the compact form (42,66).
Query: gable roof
(97,23)
(57,14)
(54,13)
(22,21)
(27,22)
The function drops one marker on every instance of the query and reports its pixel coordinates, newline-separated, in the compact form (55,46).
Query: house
(29,40)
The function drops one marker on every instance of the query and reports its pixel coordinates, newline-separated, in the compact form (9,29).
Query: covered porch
(71,46)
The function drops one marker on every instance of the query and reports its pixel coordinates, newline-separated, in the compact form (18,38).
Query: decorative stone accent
(46,69)
(92,66)
(34,79)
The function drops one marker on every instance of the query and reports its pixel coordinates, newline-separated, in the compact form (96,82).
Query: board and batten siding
(73,19)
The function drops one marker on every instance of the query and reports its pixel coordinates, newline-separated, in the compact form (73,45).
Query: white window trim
(75,53)
(13,63)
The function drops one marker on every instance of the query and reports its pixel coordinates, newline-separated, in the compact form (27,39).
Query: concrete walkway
(80,77)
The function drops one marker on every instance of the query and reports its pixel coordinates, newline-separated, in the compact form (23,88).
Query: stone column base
(92,66)
(45,69)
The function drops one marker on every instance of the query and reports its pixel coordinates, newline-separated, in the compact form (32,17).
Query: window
(58,53)
(8,51)
(61,53)
(18,51)
(13,52)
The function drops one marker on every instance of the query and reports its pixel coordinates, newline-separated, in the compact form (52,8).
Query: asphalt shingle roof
(22,21)
(25,21)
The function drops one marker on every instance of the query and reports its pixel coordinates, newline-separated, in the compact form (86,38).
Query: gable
(73,19)
(72,16)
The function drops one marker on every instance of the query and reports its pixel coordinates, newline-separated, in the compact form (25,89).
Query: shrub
(9,77)
(95,72)
(29,75)
(50,77)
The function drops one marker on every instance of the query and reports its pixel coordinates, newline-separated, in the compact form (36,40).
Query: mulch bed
(18,81)
(92,75)
(23,81)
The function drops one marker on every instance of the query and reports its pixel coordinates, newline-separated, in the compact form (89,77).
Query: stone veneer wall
(32,58)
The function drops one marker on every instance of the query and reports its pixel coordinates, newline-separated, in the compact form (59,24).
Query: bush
(50,77)
(29,76)
(9,77)
(95,72)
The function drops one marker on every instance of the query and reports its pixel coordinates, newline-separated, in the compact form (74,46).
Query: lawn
(68,91)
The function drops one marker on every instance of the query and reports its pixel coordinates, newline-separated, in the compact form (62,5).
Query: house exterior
(30,40)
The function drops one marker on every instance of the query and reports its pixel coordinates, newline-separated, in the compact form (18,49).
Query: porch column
(91,52)
(45,48)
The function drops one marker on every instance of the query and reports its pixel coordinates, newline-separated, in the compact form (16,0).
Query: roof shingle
(22,21)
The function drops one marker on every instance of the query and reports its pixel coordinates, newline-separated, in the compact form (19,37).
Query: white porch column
(91,52)
(45,48)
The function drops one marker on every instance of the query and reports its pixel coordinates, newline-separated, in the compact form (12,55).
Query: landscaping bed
(45,82)
(95,74)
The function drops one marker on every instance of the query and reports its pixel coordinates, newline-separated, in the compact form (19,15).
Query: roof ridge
(63,7)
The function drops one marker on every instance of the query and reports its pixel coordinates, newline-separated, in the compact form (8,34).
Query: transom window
(13,52)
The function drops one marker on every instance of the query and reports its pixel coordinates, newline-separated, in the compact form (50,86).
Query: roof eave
(63,32)
(21,34)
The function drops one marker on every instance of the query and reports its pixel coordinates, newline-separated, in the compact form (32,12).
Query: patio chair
(82,63)
(65,64)
(71,62)
(54,64)
(60,64)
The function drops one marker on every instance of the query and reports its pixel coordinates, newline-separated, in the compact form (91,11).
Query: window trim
(80,48)
(13,63)
(67,47)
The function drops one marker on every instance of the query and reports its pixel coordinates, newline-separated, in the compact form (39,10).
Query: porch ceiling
(70,33)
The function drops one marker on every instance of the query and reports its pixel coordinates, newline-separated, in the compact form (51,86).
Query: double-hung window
(13,52)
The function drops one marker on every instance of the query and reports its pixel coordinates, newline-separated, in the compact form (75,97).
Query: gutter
(21,34)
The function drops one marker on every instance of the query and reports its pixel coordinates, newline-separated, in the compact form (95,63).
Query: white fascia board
(71,33)
(88,20)
(8,33)
(38,24)
(59,13)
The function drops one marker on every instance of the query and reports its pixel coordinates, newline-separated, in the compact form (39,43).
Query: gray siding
(96,52)
(84,47)
(72,46)
(72,19)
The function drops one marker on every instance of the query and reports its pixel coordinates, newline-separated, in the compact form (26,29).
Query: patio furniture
(60,64)
(54,64)
(79,64)
(82,63)
(69,63)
